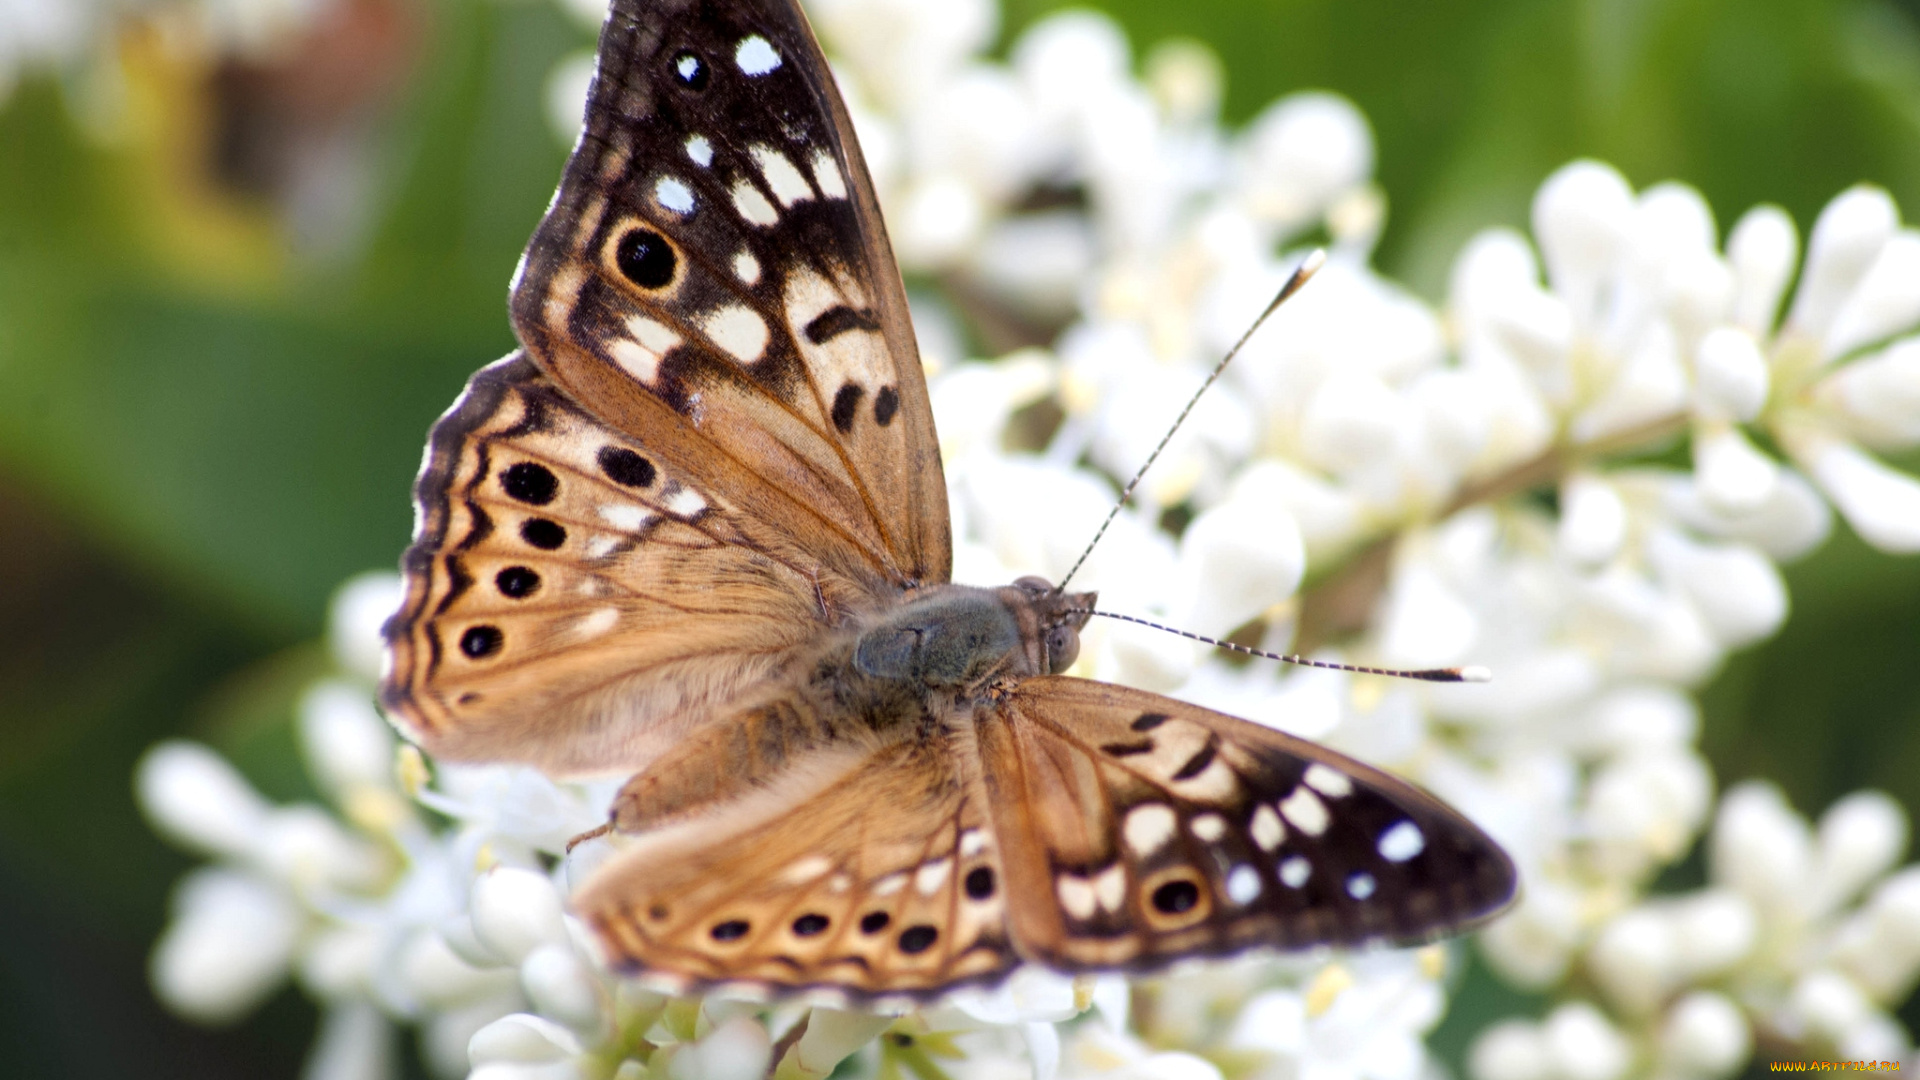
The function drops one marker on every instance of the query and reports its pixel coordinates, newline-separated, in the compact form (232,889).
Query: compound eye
(1037,586)
(1063,648)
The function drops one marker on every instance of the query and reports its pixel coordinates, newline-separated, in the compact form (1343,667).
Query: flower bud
(832,1035)
(523,1039)
(362,606)
(1879,395)
(343,738)
(228,947)
(1882,504)
(735,1050)
(1583,1045)
(564,989)
(1510,1050)
(516,911)
(1593,520)
(193,796)
(1705,1035)
(1732,476)
(1861,837)
(1761,250)
(1884,302)
(1238,559)
(1846,238)
(1632,959)
(1730,377)
(1580,217)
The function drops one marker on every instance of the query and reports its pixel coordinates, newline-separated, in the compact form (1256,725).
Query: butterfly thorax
(903,674)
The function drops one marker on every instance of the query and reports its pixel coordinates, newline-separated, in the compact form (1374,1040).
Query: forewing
(714,273)
(857,875)
(1136,830)
(575,601)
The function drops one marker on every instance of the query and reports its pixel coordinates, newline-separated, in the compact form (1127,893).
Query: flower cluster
(1357,477)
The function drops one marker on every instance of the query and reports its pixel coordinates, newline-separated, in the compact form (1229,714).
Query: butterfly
(695,531)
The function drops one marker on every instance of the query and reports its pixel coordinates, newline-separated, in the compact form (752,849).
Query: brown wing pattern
(714,273)
(858,873)
(573,600)
(1136,830)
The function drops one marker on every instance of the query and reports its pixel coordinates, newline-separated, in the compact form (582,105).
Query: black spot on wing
(837,320)
(626,468)
(846,403)
(885,404)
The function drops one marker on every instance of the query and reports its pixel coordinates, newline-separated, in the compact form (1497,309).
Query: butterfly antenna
(1308,266)
(1449,674)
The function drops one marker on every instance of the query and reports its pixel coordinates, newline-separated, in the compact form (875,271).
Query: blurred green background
(216,373)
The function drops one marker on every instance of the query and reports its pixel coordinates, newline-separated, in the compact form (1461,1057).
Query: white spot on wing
(1294,871)
(686,503)
(673,195)
(1328,781)
(595,623)
(1243,884)
(1402,842)
(805,870)
(756,55)
(746,267)
(931,876)
(1361,885)
(1209,827)
(1110,887)
(739,330)
(752,205)
(641,354)
(699,150)
(1149,826)
(890,884)
(1306,811)
(1076,895)
(788,185)
(826,173)
(626,517)
(1266,827)
(972,842)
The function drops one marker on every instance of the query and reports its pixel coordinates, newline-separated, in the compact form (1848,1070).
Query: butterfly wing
(575,601)
(714,273)
(857,872)
(1135,830)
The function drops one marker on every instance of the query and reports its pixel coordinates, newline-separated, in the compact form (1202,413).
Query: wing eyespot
(543,534)
(918,939)
(530,483)
(480,642)
(885,404)
(517,582)
(626,468)
(645,258)
(1175,898)
(731,930)
(979,883)
(874,921)
(810,924)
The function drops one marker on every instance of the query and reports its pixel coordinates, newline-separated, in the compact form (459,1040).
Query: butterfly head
(1054,620)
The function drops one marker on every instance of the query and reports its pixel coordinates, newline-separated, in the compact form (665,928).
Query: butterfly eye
(645,258)
(690,70)
(1035,586)
(1063,648)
